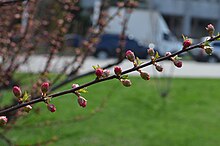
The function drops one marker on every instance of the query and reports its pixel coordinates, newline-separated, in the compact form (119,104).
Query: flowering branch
(99,78)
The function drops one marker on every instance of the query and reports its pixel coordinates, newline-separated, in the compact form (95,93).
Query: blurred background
(59,42)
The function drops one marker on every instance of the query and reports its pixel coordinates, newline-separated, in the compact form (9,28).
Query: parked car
(109,43)
(200,55)
(72,40)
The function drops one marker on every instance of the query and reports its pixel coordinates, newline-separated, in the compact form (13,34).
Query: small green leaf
(124,77)
(218,39)
(95,67)
(177,57)
(206,43)
(157,55)
(25,96)
(82,90)
(184,37)
(139,62)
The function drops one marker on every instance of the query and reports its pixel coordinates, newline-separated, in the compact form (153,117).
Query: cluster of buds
(81,101)
(176,60)
(100,73)
(3,120)
(21,97)
(154,57)
(211,29)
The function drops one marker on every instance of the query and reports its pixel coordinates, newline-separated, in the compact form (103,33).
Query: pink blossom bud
(210,28)
(106,73)
(168,53)
(117,70)
(187,43)
(75,86)
(17,91)
(151,51)
(45,87)
(51,107)
(178,63)
(3,120)
(126,82)
(159,67)
(27,108)
(130,55)
(208,50)
(99,72)
(82,101)
(145,76)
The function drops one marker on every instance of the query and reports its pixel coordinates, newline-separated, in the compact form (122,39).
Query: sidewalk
(190,69)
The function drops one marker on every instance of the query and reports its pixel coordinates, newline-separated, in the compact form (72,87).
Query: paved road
(189,69)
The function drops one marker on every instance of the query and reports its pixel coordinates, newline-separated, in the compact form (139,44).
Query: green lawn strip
(188,116)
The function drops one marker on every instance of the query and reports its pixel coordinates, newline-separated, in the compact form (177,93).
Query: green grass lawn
(121,116)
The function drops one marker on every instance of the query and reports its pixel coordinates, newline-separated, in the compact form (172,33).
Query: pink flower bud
(210,28)
(75,86)
(126,82)
(187,43)
(168,53)
(151,51)
(178,63)
(17,91)
(106,73)
(99,72)
(117,70)
(3,120)
(145,76)
(51,107)
(159,67)
(27,108)
(82,101)
(130,55)
(45,87)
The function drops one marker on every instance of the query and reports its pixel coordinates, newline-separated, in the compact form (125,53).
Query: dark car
(109,43)
(200,55)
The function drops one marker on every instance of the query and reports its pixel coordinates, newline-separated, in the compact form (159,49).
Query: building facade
(188,17)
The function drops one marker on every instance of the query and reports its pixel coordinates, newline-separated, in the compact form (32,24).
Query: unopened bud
(126,82)
(210,28)
(82,101)
(99,72)
(187,43)
(208,50)
(17,91)
(159,67)
(168,53)
(3,120)
(151,51)
(75,86)
(27,108)
(130,55)
(51,107)
(145,76)
(117,70)
(106,73)
(178,63)
(45,87)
